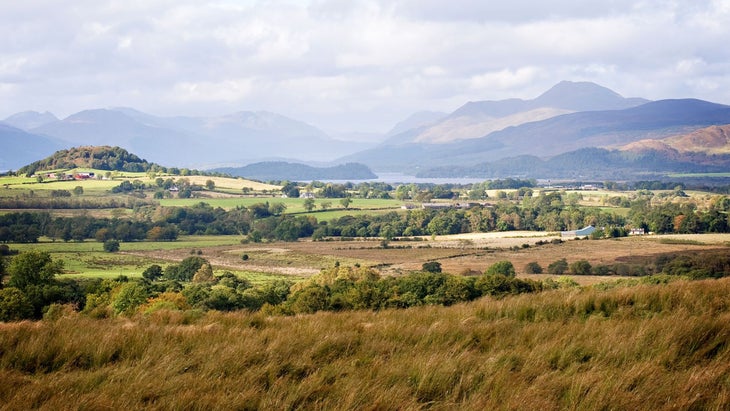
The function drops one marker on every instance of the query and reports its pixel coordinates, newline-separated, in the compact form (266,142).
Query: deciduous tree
(33,268)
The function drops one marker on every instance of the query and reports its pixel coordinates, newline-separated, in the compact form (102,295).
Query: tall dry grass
(644,347)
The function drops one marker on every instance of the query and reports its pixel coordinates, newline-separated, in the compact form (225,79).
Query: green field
(293,205)
(88,259)
(223,184)
(183,242)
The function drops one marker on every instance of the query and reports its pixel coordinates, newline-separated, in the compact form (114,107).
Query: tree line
(32,288)
(267,221)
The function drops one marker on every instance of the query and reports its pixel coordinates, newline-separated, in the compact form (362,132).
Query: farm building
(583,232)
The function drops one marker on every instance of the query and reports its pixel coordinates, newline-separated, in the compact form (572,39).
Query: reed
(659,346)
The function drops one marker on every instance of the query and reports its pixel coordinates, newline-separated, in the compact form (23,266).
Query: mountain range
(237,138)
(606,121)
(570,122)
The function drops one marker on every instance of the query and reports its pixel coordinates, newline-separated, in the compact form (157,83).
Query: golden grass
(645,347)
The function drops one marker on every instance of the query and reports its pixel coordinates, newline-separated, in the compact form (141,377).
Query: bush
(152,272)
(580,267)
(504,268)
(111,246)
(431,267)
(14,305)
(128,297)
(558,267)
(533,268)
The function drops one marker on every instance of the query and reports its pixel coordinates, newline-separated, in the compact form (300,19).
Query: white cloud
(504,79)
(357,64)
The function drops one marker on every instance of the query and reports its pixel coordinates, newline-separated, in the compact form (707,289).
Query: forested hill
(96,157)
(280,170)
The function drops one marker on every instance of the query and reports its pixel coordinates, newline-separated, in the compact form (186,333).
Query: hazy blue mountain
(20,147)
(554,136)
(27,120)
(417,120)
(279,170)
(195,141)
(584,96)
(104,127)
(477,119)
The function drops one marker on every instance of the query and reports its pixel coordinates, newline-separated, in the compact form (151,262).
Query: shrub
(152,272)
(558,267)
(580,267)
(111,246)
(14,305)
(128,297)
(533,268)
(504,268)
(431,267)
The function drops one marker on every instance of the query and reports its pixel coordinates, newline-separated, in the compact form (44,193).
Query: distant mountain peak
(27,120)
(581,96)
(476,119)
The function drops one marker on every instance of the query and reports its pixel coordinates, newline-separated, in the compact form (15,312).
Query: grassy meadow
(294,205)
(644,347)
(12,185)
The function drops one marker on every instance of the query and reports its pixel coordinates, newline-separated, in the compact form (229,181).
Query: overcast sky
(351,64)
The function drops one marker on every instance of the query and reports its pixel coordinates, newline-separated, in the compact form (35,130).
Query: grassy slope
(222,183)
(646,347)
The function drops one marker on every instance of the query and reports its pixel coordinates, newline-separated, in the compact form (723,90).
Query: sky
(351,65)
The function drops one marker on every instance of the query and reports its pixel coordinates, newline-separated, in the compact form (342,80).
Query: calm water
(393,178)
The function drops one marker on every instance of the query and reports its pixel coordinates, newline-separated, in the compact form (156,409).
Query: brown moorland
(645,347)
(456,254)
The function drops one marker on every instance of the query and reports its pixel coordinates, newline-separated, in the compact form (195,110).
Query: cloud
(359,64)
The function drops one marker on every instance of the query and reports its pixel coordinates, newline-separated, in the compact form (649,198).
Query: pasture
(10,185)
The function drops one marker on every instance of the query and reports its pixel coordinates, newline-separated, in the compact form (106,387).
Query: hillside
(99,158)
(645,347)
(279,171)
(588,163)
(714,140)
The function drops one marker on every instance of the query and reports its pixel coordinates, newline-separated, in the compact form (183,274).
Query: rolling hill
(96,157)
(714,140)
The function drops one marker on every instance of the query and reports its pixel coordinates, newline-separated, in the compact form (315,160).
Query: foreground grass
(644,347)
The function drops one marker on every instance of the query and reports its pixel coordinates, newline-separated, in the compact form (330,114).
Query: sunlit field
(641,347)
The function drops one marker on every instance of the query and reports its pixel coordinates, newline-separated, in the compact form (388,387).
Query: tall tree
(33,268)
